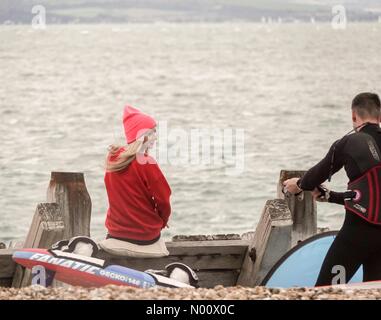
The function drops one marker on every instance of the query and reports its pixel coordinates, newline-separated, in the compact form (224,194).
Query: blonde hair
(125,157)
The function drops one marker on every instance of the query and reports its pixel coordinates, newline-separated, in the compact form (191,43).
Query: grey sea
(288,86)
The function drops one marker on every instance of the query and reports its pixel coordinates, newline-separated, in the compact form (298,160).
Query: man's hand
(321,194)
(291,186)
(316,194)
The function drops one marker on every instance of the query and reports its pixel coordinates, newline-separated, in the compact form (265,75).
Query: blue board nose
(300,267)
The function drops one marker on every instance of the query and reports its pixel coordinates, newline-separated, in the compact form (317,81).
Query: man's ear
(354,116)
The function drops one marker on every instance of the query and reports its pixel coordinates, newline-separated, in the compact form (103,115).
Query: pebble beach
(217,293)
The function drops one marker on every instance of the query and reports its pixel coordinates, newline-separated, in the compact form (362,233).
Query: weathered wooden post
(7,267)
(303,209)
(47,228)
(69,191)
(271,240)
(68,214)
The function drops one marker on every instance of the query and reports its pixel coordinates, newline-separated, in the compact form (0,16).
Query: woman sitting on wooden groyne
(138,193)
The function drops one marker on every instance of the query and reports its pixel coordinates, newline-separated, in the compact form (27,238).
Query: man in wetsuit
(359,240)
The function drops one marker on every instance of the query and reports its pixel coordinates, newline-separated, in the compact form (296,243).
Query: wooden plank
(7,266)
(210,279)
(207,247)
(202,237)
(18,276)
(69,191)
(51,225)
(6,253)
(51,233)
(17,244)
(50,229)
(5,282)
(33,229)
(195,262)
(303,209)
(271,240)
(20,271)
(199,255)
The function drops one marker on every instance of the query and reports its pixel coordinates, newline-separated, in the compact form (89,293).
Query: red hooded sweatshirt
(139,201)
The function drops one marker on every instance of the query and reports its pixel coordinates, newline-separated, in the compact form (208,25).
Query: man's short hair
(367,105)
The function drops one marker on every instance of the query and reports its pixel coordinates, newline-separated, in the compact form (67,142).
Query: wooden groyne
(226,260)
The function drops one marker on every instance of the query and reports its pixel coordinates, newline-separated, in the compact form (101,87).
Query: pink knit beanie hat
(136,123)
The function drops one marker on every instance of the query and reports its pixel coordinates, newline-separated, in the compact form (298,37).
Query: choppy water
(290,86)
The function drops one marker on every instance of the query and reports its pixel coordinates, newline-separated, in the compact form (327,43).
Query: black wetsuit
(358,242)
